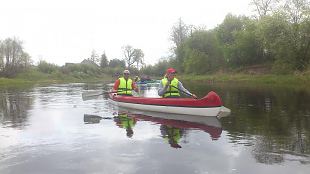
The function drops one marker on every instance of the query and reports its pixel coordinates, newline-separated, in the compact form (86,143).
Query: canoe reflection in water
(211,125)
(172,127)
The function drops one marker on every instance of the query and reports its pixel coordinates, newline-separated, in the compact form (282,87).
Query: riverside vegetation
(270,47)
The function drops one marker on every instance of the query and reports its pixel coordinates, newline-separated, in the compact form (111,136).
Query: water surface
(52,130)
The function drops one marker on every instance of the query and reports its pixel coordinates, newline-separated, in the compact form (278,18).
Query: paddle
(181,90)
(91,119)
(89,95)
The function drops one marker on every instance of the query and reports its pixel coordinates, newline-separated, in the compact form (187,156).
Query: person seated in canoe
(137,79)
(170,87)
(124,85)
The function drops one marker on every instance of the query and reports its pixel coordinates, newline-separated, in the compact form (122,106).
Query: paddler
(170,87)
(124,85)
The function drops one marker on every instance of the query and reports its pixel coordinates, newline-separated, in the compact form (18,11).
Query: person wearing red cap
(170,87)
(124,85)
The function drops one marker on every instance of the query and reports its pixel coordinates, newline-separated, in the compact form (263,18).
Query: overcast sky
(60,31)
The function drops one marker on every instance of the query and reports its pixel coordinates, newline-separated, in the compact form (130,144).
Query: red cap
(170,70)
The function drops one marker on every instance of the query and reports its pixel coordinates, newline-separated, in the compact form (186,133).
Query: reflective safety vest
(171,91)
(124,87)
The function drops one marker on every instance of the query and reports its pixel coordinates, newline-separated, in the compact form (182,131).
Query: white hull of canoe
(211,112)
(210,121)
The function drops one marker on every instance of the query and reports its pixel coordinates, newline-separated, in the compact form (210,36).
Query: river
(50,129)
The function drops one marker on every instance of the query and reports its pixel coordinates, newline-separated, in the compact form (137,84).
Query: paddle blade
(91,119)
(90,95)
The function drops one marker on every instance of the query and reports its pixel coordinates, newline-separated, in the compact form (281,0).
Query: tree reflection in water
(273,120)
(14,107)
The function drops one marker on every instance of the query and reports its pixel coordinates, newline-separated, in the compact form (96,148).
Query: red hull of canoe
(210,100)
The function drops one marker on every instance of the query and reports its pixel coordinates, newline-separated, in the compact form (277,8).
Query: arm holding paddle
(184,90)
(162,89)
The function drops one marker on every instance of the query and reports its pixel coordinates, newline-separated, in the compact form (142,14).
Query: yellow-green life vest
(124,87)
(171,91)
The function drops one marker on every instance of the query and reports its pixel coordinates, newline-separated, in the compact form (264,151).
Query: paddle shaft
(91,95)
(96,117)
(181,90)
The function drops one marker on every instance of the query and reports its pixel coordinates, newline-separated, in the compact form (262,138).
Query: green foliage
(80,70)
(158,69)
(104,61)
(117,63)
(48,68)
(227,29)
(282,67)
(13,58)
(180,32)
(202,52)
(280,37)
(32,74)
(239,43)
(197,62)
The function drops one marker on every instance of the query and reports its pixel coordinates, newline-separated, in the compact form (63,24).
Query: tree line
(14,60)
(278,36)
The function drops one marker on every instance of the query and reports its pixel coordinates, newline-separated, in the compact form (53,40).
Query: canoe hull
(210,105)
(207,111)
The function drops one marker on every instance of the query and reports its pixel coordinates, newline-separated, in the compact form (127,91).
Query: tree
(1,57)
(263,7)
(128,52)
(104,61)
(227,29)
(237,36)
(133,55)
(117,63)
(94,57)
(202,52)
(286,35)
(180,31)
(297,10)
(13,59)
(46,67)
(139,57)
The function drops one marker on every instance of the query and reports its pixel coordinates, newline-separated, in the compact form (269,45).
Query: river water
(50,129)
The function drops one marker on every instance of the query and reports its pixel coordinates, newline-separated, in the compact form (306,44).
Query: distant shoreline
(262,79)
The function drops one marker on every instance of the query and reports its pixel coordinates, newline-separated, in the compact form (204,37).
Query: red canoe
(210,105)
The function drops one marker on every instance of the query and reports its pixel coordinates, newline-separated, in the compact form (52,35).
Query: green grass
(33,76)
(302,81)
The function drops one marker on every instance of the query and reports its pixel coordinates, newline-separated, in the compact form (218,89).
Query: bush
(48,68)
(282,67)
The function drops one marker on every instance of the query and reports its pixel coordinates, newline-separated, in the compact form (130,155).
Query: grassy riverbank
(296,80)
(35,77)
(32,77)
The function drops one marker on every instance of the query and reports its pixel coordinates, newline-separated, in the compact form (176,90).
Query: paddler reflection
(123,120)
(172,135)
